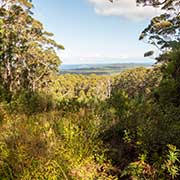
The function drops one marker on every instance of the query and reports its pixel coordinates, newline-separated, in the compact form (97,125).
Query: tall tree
(27,51)
(164,30)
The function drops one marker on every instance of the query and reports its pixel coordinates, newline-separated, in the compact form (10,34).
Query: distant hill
(99,69)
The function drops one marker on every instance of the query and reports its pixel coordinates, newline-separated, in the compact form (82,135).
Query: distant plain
(99,69)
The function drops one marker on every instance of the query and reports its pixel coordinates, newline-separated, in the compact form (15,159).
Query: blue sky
(96,31)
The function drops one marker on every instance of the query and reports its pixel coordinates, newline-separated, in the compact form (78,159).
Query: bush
(31,102)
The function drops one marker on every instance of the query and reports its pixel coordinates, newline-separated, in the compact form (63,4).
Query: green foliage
(25,62)
(172,162)
(83,88)
(52,145)
(31,102)
(167,5)
(168,91)
(169,168)
(90,135)
(137,82)
(163,30)
(139,170)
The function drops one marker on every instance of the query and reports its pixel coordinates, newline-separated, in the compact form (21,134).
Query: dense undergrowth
(127,134)
(53,145)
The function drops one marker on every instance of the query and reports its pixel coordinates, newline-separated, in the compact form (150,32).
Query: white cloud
(124,8)
(90,57)
(105,59)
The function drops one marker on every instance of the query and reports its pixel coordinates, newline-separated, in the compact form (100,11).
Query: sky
(96,31)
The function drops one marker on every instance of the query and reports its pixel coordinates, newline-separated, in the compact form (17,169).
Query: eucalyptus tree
(163,4)
(163,30)
(27,52)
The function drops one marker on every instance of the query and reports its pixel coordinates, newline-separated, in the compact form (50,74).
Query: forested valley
(87,127)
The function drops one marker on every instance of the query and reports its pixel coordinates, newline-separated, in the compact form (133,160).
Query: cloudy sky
(96,31)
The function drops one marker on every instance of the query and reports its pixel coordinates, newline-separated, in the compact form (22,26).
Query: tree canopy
(27,54)
(163,30)
(164,4)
